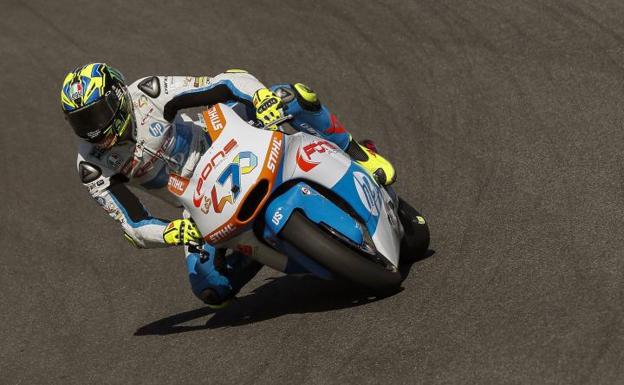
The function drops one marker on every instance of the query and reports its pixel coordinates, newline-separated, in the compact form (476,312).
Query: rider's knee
(208,291)
(207,283)
(211,297)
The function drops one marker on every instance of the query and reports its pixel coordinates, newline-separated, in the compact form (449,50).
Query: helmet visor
(93,121)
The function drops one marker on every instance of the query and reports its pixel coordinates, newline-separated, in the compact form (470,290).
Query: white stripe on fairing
(385,238)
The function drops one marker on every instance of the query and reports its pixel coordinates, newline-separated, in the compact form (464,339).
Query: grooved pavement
(504,120)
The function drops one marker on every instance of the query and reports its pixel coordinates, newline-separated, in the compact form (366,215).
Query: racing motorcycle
(297,203)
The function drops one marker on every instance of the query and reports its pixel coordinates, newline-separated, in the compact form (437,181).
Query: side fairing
(310,157)
(317,160)
(239,158)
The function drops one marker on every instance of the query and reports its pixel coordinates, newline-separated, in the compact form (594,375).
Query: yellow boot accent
(306,93)
(376,165)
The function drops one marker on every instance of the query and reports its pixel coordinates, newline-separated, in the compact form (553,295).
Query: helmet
(96,103)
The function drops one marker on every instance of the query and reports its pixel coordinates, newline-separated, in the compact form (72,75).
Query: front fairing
(313,159)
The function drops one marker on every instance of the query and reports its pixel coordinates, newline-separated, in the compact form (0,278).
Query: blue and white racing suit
(156,101)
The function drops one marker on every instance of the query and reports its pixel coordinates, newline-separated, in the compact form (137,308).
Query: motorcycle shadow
(279,296)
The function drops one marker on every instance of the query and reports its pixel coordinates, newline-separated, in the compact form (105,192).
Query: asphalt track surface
(504,120)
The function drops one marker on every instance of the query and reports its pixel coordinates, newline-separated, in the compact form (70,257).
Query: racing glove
(181,232)
(268,106)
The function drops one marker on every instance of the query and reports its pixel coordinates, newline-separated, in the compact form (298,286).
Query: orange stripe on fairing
(215,121)
(269,171)
(270,168)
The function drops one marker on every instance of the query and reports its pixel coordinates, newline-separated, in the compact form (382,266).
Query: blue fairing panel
(316,208)
(362,193)
(319,210)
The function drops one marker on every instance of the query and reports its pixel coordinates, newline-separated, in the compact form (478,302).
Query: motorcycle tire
(337,257)
(415,242)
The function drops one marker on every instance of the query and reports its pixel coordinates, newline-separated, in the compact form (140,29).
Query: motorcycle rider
(111,118)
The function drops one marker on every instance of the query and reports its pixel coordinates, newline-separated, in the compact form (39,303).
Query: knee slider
(131,241)
(210,297)
(306,97)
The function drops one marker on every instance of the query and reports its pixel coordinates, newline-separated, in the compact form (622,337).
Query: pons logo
(199,193)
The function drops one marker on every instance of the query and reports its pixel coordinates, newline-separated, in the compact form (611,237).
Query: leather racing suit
(157,124)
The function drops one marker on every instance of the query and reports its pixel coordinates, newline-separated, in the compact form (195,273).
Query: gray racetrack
(504,120)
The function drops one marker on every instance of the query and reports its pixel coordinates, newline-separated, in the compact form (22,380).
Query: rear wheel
(415,242)
(336,256)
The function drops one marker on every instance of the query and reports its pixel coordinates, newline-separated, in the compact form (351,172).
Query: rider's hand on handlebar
(182,232)
(268,106)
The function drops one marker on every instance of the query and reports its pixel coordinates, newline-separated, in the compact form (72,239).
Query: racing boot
(238,268)
(366,155)
(208,273)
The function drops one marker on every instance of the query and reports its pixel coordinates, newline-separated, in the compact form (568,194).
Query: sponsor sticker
(277,216)
(156,129)
(141,102)
(367,191)
(166,82)
(144,118)
(177,184)
(276,147)
(222,233)
(200,81)
(215,121)
(110,208)
(304,155)
(114,160)
(244,163)
(75,90)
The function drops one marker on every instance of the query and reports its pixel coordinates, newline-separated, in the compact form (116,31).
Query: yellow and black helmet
(96,103)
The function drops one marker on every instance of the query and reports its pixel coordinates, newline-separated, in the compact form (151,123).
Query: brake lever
(277,122)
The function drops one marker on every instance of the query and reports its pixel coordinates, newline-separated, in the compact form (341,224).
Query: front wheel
(415,242)
(339,258)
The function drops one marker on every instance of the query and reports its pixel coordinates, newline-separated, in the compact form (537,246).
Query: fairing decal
(241,159)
